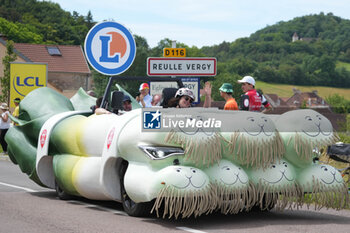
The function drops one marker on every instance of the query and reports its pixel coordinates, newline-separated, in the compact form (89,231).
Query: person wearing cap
(183,98)
(127,103)
(226,91)
(5,124)
(16,101)
(145,98)
(251,100)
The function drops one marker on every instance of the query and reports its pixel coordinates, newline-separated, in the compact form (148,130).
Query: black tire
(61,193)
(130,207)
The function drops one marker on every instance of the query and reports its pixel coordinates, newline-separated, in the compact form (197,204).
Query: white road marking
(19,187)
(190,230)
(100,207)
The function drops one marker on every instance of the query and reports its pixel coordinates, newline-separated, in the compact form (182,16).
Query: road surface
(27,207)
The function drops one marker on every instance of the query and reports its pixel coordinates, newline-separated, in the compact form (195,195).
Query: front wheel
(130,207)
(61,193)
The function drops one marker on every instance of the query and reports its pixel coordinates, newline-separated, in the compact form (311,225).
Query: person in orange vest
(226,91)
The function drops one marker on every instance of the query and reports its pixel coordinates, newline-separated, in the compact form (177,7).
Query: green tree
(5,80)
(338,103)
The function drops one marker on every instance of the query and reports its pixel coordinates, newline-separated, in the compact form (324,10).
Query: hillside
(269,54)
(284,90)
(45,19)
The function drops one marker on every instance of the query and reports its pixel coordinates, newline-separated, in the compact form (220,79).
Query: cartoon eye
(308,118)
(273,166)
(194,171)
(325,169)
(239,168)
(227,169)
(178,170)
(285,164)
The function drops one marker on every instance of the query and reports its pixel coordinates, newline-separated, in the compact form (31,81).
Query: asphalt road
(27,207)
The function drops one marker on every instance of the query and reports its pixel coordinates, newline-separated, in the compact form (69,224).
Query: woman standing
(5,124)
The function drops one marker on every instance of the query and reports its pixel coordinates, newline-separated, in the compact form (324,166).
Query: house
(295,37)
(310,100)
(307,99)
(275,100)
(67,67)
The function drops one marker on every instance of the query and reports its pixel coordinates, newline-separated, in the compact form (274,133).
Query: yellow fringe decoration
(175,202)
(256,153)
(278,197)
(323,196)
(204,151)
(232,201)
(304,145)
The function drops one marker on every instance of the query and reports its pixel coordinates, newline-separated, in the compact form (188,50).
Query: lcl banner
(26,77)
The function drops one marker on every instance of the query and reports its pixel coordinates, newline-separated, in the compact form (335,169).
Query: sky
(201,22)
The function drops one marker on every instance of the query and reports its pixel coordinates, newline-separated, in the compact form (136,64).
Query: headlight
(160,152)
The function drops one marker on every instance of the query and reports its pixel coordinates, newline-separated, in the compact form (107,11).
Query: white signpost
(191,66)
(191,83)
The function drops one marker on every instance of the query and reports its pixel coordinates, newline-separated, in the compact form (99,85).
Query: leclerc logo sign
(110,48)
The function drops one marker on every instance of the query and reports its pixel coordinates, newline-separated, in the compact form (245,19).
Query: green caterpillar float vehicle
(255,161)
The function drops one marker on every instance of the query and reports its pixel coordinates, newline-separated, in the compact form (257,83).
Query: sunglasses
(188,99)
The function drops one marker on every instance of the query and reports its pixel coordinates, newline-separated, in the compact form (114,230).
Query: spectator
(226,91)
(156,100)
(97,108)
(127,103)
(251,100)
(16,111)
(145,98)
(5,124)
(183,98)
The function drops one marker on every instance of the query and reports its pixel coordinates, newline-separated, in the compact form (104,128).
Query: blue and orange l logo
(110,48)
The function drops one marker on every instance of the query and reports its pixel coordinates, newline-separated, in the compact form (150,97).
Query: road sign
(174,52)
(191,83)
(193,66)
(110,48)
(26,77)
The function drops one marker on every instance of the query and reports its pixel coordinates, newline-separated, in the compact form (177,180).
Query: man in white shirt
(145,98)
(5,124)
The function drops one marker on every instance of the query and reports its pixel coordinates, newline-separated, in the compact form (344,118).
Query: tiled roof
(72,59)
(275,100)
(299,98)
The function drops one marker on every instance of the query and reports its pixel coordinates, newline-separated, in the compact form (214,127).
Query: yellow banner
(26,77)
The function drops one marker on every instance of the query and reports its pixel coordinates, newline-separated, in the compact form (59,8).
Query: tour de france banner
(25,77)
